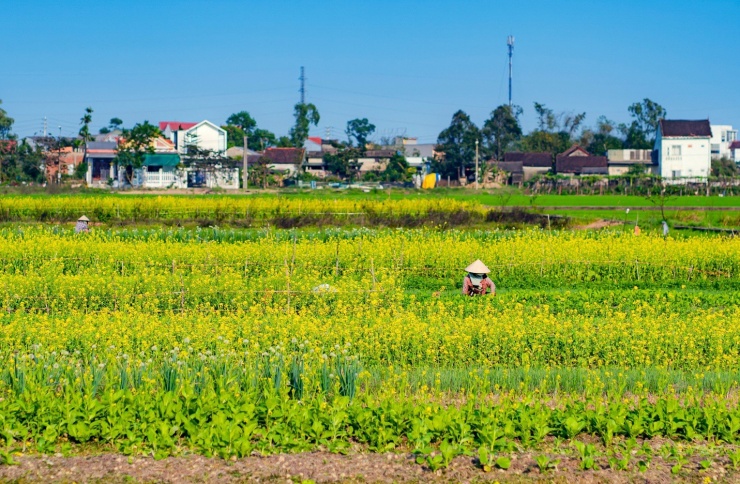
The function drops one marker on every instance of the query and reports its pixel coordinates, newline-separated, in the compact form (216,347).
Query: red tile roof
(280,156)
(578,164)
(510,166)
(735,145)
(572,150)
(682,128)
(541,159)
(315,139)
(175,125)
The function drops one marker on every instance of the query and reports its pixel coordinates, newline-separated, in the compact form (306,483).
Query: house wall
(629,155)
(683,157)
(532,171)
(164,177)
(722,137)
(205,136)
(735,155)
(290,168)
(371,164)
(226,178)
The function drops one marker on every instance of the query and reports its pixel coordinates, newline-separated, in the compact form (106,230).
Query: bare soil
(598,224)
(323,467)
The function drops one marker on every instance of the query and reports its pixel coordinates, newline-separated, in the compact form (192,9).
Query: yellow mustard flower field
(229,342)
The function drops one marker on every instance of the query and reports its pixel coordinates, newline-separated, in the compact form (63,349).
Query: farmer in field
(81,225)
(477,282)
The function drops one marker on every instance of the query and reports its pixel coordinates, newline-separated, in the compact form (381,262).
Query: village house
(161,169)
(722,138)
(101,165)
(514,170)
(735,151)
(532,163)
(418,155)
(287,161)
(683,148)
(622,161)
(62,162)
(374,160)
(578,161)
(205,136)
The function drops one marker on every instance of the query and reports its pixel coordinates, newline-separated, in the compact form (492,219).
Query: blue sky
(405,65)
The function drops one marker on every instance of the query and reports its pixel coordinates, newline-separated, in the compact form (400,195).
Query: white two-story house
(205,135)
(683,148)
(722,138)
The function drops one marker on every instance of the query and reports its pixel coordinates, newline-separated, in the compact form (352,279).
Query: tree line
(502,132)
(555,133)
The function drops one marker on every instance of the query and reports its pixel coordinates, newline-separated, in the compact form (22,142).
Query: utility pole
(476,164)
(303,85)
(45,126)
(510,43)
(245,169)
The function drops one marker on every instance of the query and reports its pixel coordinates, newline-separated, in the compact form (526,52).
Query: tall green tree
(641,132)
(501,130)
(457,142)
(359,130)
(115,123)
(305,115)
(397,169)
(85,122)
(6,124)
(242,119)
(241,123)
(134,144)
(237,125)
(601,139)
(555,132)
(343,163)
(20,162)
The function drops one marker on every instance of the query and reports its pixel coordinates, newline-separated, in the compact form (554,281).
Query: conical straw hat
(83,219)
(478,267)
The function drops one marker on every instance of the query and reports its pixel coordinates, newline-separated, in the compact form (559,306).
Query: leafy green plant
(485,459)
(734,458)
(503,462)
(587,453)
(546,463)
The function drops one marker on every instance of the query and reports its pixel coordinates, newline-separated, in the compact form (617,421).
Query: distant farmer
(81,225)
(477,282)
(665,229)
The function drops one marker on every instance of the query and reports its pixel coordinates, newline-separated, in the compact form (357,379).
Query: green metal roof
(161,159)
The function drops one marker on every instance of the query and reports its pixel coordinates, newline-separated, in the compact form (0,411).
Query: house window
(633,155)
(676,173)
(675,150)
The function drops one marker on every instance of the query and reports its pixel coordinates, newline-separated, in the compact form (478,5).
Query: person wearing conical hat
(477,282)
(81,225)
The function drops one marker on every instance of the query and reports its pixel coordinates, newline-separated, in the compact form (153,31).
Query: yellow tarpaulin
(429,181)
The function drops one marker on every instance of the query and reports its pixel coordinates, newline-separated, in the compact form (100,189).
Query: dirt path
(599,224)
(324,467)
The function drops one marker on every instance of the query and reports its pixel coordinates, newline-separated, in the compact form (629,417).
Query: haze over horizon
(406,66)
